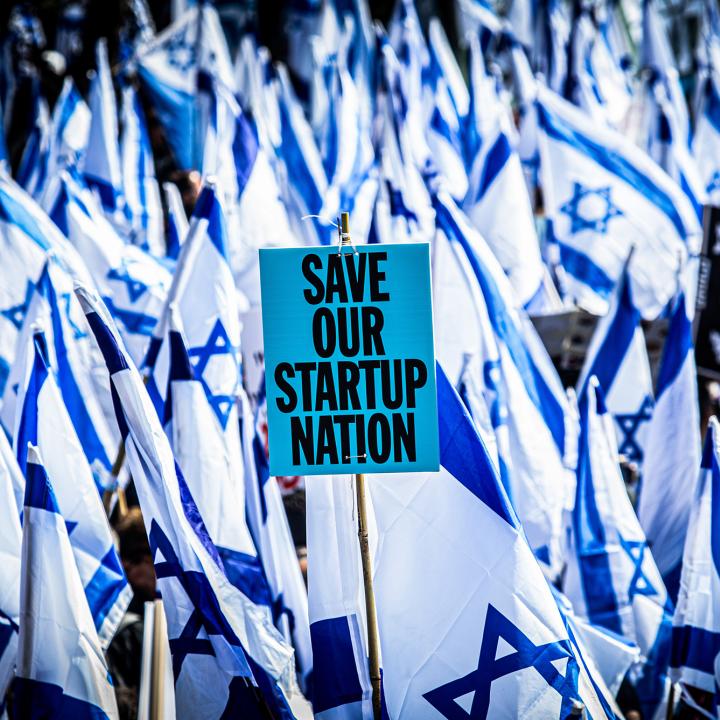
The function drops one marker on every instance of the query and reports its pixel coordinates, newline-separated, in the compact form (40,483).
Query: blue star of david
(136,289)
(16,313)
(181,53)
(206,614)
(629,425)
(78,332)
(526,655)
(218,343)
(598,223)
(639,584)
(714,183)
(493,382)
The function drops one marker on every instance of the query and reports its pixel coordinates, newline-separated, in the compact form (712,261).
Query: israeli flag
(26,235)
(101,165)
(207,304)
(211,624)
(213,470)
(341,687)
(12,487)
(450,110)
(69,131)
(656,54)
(54,307)
(603,194)
(271,533)
(495,646)
(177,222)
(617,357)
(611,577)
(43,419)
(176,68)
(305,182)
(133,284)
(696,624)
(706,140)
(664,143)
(61,671)
(497,201)
(142,194)
(32,171)
(513,370)
(672,450)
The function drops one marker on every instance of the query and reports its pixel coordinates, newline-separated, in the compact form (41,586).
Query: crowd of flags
(564,168)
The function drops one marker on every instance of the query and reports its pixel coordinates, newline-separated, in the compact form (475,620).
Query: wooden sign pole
(370,610)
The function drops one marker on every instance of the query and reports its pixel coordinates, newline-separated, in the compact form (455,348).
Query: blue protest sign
(349,359)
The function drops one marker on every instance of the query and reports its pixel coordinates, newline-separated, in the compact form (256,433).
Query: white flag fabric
(696,624)
(42,419)
(672,451)
(61,671)
(213,628)
(611,577)
(603,195)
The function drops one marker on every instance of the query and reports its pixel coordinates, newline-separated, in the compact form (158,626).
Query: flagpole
(157,672)
(370,609)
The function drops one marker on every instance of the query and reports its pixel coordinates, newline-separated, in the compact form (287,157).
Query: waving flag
(26,235)
(341,681)
(213,471)
(513,370)
(617,357)
(270,530)
(175,68)
(497,201)
(133,283)
(101,166)
(32,172)
(69,131)
(142,195)
(204,293)
(305,179)
(706,140)
(611,578)
(500,636)
(672,452)
(222,644)
(11,486)
(60,667)
(54,307)
(43,419)
(603,194)
(696,624)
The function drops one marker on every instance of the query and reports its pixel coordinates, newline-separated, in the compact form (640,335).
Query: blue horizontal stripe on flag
(694,648)
(36,700)
(581,266)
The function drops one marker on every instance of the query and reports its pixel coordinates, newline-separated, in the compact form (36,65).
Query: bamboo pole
(157,668)
(370,609)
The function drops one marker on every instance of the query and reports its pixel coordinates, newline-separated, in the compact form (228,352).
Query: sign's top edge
(345,248)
